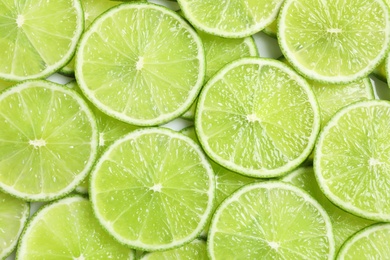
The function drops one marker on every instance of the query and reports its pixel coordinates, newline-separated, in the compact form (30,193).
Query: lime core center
(334,30)
(20,20)
(140,63)
(252,118)
(156,187)
(37,143)
(274,245)
(374,162)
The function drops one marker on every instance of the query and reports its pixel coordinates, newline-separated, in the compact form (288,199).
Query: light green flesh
(13,216)
(242,121)
(216,49)
(380,71)
(270,219)
(334,41)
(272,29)
(48,140)
(149,173)
(352,159)
(151,77)
(68,229)
(37,37)
(194,250)
(370,243)
(233,19)
(344,224)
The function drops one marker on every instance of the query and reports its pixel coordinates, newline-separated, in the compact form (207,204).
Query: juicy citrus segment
(149,71)
(231,19)
(37,37)
(13,216)
(344,224)
(148,173)
(242,123)
(270,219)
(48,140)
(67,229)
(194,250)
(351,160)
(370,243)
(334,41)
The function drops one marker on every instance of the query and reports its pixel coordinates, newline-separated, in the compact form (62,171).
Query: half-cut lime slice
(13,216)
(141,63)
(37,37)
(334,41)
(153,189)
(242,123)
(370,243)
(351,159)
(67,229)
(273,220)
(48,140)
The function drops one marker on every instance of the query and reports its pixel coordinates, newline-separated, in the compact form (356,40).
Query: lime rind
(131,119)
(263,172)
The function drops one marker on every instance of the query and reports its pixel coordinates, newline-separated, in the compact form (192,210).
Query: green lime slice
(351,159)
(48,140)
(67,229)
(148,173)
(241,118)
(334,41)
(273,220)
(13,217)
(344,224)
(195,250)
(230,19)
(370,243)
(141,63)
(37,37)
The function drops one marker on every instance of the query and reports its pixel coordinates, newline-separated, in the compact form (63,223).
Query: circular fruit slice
(270,219)
(344,224)
(141,63)
(352,159)
(231,19)
(370,243)
(153,189)
(67,229)
(13,216)
(38,37)
(48,140)
(194,250)
(334,41)
(257,117)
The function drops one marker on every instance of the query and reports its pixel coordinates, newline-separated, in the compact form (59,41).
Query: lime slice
(13,216)
(380,71)
(67,229)
(231,19)
(334,41)
(48,140)
(141,63)
(270,220)
(242,123)
(215,49)
(37,37)
(153,172)
(344,224)
(351,159)
(195,250)
(370,243)
(92,9)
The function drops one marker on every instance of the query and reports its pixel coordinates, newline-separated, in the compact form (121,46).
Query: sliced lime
(270,220)
(48,140)
(242,123)
(153,189)
(141,63)
(352,159)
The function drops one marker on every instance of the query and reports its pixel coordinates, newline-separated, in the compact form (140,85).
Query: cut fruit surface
(351,159)
(38,37)
(270,219)
(48,140)
(67,229)
(257,117)
(141,63)
(153,172)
